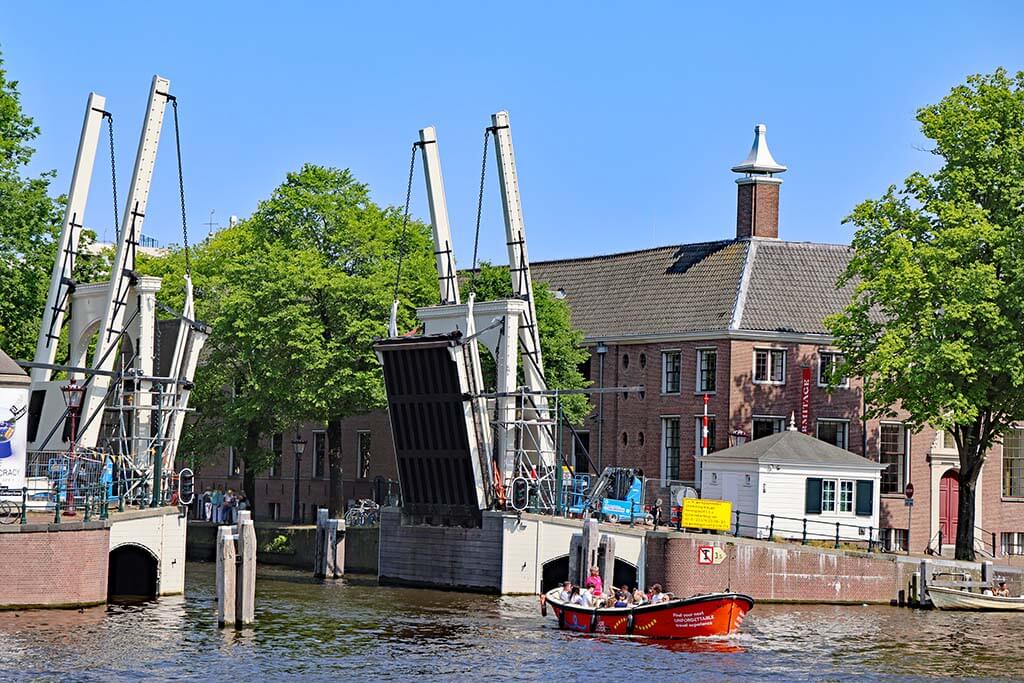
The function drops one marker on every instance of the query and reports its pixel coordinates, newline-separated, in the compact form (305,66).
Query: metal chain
(181,188)
(405,220)
(479,209)
(113,171)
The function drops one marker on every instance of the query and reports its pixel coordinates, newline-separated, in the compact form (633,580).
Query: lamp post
(73,399)
(298,446)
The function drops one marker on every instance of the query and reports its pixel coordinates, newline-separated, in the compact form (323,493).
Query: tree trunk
(965,520)
(336,496)
(252,443)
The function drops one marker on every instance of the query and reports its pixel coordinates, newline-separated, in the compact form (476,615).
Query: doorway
(949,505)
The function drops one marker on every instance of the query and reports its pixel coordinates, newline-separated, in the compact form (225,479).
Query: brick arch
(133,572)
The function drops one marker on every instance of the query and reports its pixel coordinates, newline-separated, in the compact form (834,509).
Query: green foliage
(30,221)
(279,544)
(561,344)
(937,323)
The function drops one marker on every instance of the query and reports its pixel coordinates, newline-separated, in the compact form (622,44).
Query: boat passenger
(594,582)
(657,595)
(566,593)
(1002,591)
(638,596)
(575,596)
(621,600)
(587,597)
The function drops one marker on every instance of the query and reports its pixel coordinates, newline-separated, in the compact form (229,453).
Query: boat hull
(715,614)
(954,599)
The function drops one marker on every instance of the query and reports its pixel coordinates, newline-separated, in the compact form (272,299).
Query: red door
(949,498)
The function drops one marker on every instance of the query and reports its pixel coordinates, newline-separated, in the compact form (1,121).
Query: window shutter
(812,501)
(865,498)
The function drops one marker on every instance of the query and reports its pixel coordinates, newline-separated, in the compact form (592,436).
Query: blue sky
(626,117)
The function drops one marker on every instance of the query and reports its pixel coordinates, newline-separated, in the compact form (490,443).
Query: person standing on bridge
(217,501)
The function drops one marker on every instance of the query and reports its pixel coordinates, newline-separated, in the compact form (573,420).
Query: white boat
(954,598)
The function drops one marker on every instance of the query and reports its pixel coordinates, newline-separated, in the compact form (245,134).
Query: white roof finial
(759,160)
(792,421)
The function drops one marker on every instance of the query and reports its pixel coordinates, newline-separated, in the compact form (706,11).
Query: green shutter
(865,498)
(812,501)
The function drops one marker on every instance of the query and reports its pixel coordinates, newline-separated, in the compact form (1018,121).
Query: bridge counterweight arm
(444,253)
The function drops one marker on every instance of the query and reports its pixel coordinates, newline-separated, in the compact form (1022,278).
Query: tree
(936,325)
(30,221)
(561,345)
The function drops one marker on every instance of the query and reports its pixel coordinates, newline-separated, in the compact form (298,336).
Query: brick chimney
(757,196)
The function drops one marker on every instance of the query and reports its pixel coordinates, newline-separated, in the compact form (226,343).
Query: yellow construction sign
(701,513)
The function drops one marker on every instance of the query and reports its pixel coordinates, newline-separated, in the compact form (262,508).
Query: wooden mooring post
(329,552)
(236,572)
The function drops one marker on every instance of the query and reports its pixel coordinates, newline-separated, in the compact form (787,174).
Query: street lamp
(737,437)
(298,446)
(73,399)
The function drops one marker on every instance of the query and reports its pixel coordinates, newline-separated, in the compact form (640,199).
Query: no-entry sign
(909,491)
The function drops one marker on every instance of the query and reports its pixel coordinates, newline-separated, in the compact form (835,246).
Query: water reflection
(353,629)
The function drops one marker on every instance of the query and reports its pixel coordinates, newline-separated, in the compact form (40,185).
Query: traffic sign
(705,554)
(909,491)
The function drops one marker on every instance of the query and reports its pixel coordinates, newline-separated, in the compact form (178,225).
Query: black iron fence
(808,530)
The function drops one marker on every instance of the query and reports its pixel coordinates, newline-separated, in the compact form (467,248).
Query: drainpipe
(602,351)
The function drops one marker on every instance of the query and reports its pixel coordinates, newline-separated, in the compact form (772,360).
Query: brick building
(739,320)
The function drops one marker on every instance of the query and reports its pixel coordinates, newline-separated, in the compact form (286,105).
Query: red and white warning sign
(705,554)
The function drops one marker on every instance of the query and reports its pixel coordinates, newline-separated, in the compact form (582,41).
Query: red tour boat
(712,614)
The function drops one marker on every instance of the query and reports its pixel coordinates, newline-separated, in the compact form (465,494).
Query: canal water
(353,629)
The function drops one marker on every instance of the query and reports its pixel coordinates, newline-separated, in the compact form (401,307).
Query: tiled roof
(688,287)
(11,372)
(757,284)
(793,447)
(792,286)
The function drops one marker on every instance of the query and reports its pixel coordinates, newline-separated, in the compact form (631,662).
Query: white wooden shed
(803,481)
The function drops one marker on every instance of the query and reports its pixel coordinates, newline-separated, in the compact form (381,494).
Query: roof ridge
(743,287)
(597,257)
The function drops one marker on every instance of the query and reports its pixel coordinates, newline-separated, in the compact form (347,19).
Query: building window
(846,496)
(892,452)
(670,369)
(1013,464)
(835,432)
(828,495)
(1011,543)
(625,361)
(640,438)
(948,440)
(581,452)
(768,425)
(699,433)
(274,511)
(670,447)
(277,446)
(770,366)
(625,439)
(363,446)
(707,360)
(643,360)
(234,463)
(828,364)
(319,454)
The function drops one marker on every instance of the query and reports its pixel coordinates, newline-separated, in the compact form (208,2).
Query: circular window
(625,360)
(643,360)
(640,438)
(625,439)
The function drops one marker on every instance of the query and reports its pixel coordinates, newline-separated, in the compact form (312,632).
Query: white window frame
(835,496)
(834,420)
(664,372)
(359,452)
(714,377)
(664,450)
(274,470)
(853,497)
(1002,469)
(232,457)
(771,351)
(904,462)
(780,421)
(325,467)
(845,384)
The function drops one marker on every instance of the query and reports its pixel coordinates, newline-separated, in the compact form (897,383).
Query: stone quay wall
(780,572)
(54,566)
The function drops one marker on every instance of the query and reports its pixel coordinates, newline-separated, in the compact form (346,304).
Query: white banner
(13,430)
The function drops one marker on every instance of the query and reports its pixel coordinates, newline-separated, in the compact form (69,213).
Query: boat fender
(543,605)
(561,619)
(629,623)
(593,622)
